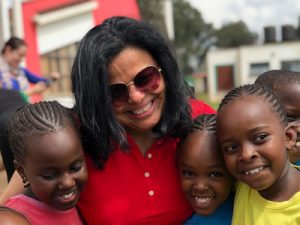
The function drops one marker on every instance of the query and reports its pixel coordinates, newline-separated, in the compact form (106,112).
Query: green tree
(193,36)
(234,34)
(151,11)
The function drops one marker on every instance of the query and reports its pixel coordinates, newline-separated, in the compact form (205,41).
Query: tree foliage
(193,35)
(234,34)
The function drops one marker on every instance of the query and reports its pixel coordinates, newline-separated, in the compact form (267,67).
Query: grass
(204,97)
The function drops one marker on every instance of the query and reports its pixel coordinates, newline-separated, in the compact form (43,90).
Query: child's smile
(253,142)
(205,180)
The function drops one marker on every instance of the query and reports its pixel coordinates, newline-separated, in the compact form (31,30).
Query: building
(232,67)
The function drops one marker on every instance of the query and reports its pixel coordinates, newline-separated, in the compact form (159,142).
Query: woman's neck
(285,187)
(142,139)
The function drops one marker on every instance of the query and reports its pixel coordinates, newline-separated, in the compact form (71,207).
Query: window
(60,60)
(291,65)
(258,68)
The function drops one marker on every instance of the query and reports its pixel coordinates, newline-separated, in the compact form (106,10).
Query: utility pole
(4,22)
(169,19)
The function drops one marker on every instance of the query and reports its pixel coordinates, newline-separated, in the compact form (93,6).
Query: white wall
(64,32)
(242,57)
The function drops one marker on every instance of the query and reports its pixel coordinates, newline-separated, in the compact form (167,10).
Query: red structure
(103,10)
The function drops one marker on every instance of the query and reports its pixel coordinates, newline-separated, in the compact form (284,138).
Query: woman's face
(15,56)
(143,109)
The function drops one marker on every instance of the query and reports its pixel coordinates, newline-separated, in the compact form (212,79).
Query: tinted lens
(147,79)
(119,93)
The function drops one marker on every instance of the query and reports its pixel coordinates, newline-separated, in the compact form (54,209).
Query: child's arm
(14,187)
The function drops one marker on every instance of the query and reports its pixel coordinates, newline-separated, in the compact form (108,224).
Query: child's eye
(216,174)
(76,167)
(291,117)
(260,138)
(187,173)
(230,148)
(49,176)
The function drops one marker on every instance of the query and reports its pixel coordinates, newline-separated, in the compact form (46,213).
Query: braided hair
(204,122)
(256,90)
(36,119)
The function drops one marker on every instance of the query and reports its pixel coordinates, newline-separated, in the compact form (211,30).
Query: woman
(13,76)
(130,99)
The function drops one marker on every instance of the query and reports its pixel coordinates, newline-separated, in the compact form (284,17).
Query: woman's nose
(135,95)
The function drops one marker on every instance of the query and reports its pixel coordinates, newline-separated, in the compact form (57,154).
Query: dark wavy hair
(14,43)
(101,131)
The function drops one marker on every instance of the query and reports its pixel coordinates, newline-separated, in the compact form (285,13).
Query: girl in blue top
(205,180)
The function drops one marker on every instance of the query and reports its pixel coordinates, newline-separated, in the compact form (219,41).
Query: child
(9,216)
(254,136)
(286,85)
(50,160)
(205,180)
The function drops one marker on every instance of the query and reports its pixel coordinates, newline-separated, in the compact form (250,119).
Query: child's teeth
(254,171)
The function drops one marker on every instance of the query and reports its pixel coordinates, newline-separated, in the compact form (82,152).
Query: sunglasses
(148,79)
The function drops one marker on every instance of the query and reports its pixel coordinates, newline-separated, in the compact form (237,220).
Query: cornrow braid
(205,122)
(36,119)
(256,90)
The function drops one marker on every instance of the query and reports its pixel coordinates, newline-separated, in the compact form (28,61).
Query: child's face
(55,167)
(254,142)
(289,95)
(205,180)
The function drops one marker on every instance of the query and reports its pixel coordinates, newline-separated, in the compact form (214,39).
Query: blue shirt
(221,216)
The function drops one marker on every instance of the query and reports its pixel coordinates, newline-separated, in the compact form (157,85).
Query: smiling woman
(132,103)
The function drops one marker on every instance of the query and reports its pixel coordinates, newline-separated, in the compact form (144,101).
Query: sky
(255,13)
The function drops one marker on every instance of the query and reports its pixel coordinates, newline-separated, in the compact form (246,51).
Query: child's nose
(247,153)
(200,185)
(67,181)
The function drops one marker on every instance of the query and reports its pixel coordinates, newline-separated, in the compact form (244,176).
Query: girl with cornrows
(205,180)
(49,158)
(254,136)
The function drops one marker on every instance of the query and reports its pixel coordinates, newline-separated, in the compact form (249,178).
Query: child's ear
(290,136)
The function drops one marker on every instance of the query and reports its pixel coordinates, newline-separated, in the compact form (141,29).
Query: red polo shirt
(136,189)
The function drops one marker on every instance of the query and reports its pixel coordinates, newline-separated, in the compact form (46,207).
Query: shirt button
(149,156)
(147,174)
(151,193)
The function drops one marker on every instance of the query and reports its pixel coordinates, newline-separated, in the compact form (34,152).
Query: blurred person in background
(15,90)
(15,77)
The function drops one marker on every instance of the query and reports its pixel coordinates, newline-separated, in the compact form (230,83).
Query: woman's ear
(290,136)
